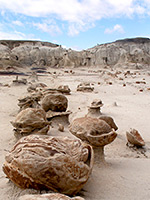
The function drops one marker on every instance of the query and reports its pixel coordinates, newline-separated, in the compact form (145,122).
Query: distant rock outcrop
(133,52)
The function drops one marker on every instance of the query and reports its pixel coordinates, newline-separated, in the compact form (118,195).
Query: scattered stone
(30,121)
(22,81)
(59,164)
(134,137)
(60,127)
(64,89)
(115,104)
(141,90)
(36,87)
(110,83)
(85,87)
(140,82)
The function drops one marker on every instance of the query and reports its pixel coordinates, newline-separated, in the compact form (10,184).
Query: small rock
(60,127)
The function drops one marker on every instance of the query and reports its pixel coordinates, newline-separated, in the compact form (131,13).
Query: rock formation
(60,164)
(13,54)
(30,121)
(50,196)
(95,132)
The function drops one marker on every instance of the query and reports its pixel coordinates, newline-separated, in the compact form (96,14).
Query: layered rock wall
(134,52)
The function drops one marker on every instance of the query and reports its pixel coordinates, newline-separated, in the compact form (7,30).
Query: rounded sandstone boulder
(60,164)
(55,102)
(51,196)
(92,130)
(29,121)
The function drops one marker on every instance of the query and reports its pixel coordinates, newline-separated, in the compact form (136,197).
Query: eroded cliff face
(129,52)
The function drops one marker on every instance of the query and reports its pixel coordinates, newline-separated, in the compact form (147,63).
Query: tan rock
(60,127)
(29,101)
(29,121)
(109,121)
(85,87)
(94,108)
(44,162)
(51,196)
(95,132)
(134,137)
(64,89)
(54,102)
(58,117)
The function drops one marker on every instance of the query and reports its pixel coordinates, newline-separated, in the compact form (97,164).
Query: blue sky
(76,24)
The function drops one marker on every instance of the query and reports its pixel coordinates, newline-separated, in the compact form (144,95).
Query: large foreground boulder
(60,164)
(51,196)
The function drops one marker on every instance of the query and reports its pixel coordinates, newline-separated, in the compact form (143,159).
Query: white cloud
(18,23)
(52,29)
(5,35)
(11,36)
(116,28)
(74,12)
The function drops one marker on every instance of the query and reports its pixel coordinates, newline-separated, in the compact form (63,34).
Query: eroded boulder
(55,102)
(51,196)
(95,132)
(30,121)
(60,164)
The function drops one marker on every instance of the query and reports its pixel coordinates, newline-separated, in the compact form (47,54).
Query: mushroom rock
(59,164)
(55,102)
(50,196)
(134,138)
(30,121)
(94,109)
(93,131)
(109,121)
(85,87)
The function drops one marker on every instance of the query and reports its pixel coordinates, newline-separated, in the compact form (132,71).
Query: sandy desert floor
(126,97)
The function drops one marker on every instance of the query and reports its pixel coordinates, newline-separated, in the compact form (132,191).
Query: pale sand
(127,172)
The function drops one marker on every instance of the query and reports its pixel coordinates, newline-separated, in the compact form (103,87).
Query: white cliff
(129,52)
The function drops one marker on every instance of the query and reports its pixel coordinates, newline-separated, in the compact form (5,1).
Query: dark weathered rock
(29,101)
(60,164)
(58,103)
